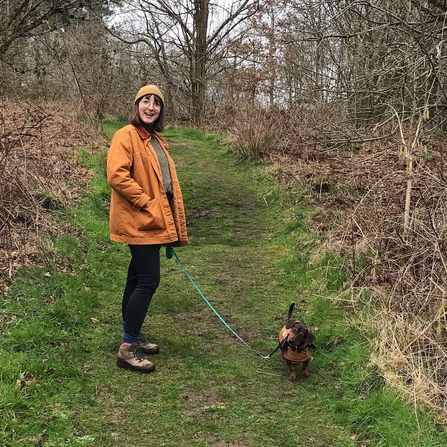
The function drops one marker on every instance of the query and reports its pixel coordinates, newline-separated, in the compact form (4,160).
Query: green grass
(250,256)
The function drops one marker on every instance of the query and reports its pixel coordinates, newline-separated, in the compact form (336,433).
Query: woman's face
(149,109)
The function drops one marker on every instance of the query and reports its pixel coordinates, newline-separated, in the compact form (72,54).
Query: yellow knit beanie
(149,90)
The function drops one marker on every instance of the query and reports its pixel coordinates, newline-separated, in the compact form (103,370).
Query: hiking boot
(131,356)
(146,347)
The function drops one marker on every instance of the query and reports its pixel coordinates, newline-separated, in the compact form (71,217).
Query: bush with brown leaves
(40,172)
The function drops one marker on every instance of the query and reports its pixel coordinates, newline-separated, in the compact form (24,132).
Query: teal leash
(169,254)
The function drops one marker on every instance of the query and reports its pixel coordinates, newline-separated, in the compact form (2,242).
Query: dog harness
(289,353)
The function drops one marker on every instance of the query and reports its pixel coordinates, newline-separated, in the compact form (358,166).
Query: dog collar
(284,340)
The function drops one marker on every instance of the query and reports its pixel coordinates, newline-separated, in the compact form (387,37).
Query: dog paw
(306,374)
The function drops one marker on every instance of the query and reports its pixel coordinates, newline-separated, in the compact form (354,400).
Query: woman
(146,212)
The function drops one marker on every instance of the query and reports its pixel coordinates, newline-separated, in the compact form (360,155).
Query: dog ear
(310,339)
(291,322)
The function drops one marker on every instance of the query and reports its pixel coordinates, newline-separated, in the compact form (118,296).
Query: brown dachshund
(295,341)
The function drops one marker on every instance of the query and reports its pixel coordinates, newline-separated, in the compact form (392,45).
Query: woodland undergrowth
(380,204)
(40,171)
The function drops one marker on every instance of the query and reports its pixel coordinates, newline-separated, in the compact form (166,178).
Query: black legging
(143,278)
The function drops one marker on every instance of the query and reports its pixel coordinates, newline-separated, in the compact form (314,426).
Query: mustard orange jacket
(134,173)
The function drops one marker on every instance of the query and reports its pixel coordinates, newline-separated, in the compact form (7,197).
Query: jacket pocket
(150,218)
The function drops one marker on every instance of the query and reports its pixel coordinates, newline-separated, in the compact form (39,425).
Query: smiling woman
(149,109)
(146,212)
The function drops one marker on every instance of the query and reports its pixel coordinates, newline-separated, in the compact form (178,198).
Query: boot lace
(143,340)
(136,351)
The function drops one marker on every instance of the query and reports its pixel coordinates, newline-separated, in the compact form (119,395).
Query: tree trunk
(199,59)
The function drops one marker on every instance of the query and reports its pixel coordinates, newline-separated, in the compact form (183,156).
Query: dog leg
(292,373)
(304,370)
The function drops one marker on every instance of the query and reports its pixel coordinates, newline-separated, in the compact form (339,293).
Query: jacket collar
(142,132)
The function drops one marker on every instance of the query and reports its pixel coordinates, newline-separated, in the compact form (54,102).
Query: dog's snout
(297,337)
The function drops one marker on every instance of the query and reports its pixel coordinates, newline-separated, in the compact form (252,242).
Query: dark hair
(134,116)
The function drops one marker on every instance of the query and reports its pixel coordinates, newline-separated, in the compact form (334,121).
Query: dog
(295,342)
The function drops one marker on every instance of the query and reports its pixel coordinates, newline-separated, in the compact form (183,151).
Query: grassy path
(249,256)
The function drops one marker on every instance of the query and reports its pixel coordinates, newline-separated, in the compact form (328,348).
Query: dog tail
(291,307)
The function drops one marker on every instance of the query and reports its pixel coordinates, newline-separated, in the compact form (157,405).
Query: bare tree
(186,39)
(26,18)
